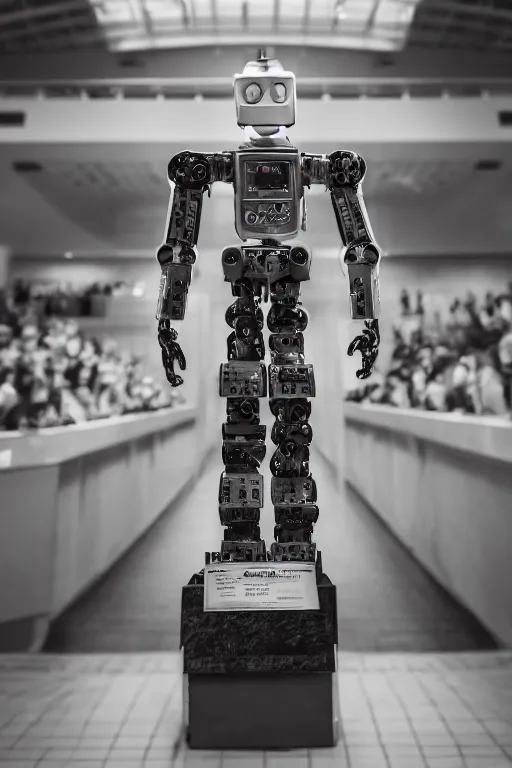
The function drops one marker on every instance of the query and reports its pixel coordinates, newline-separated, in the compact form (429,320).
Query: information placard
(289,586)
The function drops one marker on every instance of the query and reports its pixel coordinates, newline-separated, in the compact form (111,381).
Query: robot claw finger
(269,176)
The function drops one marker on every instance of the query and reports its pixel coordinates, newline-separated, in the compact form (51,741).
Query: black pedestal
(261,711)
(260,679)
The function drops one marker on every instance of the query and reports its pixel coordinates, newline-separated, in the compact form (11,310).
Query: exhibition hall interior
(255,383)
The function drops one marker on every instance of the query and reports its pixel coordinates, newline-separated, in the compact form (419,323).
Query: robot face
(265,95)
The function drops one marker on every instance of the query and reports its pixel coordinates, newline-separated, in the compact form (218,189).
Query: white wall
(212,122)
(304,61)
(450,507)
(472,217)
(71,515)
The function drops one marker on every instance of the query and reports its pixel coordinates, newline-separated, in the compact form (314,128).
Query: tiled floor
(397,711)
(386,602)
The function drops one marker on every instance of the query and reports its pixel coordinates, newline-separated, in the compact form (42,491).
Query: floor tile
(243,762)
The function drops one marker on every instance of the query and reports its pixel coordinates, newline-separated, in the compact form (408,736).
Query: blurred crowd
(64,299)
(52,375)
(462,365)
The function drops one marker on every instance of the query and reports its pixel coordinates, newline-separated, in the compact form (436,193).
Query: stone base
(234,642)
(260,679)
(262,711)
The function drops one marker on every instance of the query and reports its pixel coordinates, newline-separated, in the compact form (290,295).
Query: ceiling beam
(306,15)
(370,22)
(465,9)
(277,13)
(50,26)
(304,60)
(146,17)
(192,13)
(32,14)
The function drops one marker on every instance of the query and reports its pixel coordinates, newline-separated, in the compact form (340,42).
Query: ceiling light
(26,166)
(488,165)
(340,10)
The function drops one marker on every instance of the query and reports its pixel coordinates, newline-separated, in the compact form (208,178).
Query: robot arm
(342,173)
(192,174)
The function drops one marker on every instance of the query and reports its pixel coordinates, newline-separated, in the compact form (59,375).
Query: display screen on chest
(268,193)
(264,179)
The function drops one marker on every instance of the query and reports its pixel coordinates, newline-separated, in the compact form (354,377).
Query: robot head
(265,96)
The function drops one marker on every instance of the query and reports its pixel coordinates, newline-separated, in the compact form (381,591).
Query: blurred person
(407,329)
(471,309)
(395,392)
(375,387)
(9,401)
(74,340)
(464,396)
(490,385)
(425,358)
(505,363)
(505,308)
(39,382)
(420,306)
(82,400)
(107,383)
(435,394)
(405,302)
(55,337)
(418,386)
(149,393)
(28,368)
(488,310)
(89,359)
(8,314)
(8,351)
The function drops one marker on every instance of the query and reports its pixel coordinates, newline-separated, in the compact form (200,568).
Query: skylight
(144,24)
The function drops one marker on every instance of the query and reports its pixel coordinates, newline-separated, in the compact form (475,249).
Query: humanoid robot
(269,176)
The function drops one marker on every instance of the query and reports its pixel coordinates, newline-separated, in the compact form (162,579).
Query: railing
(222,87)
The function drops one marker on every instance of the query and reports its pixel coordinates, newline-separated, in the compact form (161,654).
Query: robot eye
(278,92)
(253,93)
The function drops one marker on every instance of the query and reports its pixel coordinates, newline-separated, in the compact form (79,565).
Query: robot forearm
(361,252)
(178,254)
(176,258)
(342,173)
(346,172)
(192,174)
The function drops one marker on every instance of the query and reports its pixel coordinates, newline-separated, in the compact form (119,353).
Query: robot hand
(171,352)
(368,345)
(176,263)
